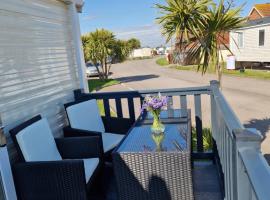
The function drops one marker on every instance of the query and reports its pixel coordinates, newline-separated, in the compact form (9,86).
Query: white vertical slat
(183,101)
(8,188)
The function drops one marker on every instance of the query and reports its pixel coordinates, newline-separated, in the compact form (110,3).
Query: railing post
(198,120)
(244,139)
(213,85)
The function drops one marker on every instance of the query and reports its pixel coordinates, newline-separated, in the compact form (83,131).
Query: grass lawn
(260,74)
(162,62)
(141,58)
(97,84)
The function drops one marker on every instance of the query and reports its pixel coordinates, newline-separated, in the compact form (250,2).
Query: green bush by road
(260,74)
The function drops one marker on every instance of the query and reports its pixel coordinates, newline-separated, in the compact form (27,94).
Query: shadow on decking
(205,183)
(127,79)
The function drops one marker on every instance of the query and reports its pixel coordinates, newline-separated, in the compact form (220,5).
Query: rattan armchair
(85,120)
(69,170)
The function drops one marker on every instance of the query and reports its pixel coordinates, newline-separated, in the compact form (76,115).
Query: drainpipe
(76,33)
(7,187)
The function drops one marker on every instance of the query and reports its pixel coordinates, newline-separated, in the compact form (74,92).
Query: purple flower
(154,103)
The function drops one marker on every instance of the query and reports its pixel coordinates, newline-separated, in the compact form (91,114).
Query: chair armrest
(73,132)
(80,147)
(117,125)
(50,180)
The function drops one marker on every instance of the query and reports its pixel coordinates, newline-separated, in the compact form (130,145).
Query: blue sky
(132,18)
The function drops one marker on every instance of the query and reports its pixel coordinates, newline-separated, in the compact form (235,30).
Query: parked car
(91,70)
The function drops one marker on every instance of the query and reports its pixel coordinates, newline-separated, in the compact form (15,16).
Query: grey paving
(248,97)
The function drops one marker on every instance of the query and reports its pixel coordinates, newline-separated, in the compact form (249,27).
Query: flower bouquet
(154,105)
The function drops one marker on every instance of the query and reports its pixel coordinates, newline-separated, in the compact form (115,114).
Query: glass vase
(157,127)
(158,139)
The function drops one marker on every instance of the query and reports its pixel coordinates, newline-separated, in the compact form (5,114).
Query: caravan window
(261,37)
(240,39)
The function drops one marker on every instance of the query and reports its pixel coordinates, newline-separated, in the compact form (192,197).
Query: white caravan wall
(251,51)
(144,52)
(38,70)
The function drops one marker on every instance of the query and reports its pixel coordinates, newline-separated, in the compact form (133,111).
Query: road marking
(130,88)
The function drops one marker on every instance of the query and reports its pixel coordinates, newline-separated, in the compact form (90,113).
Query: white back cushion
(85,116)
(37,143)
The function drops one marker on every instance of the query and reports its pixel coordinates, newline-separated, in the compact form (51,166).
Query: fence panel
(196,92)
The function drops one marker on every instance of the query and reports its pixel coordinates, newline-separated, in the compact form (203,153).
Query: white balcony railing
(246,172)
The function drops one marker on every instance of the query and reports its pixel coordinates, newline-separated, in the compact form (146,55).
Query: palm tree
(99,49)
(121,50)
(201,26)
(178,17)
(134,43)
(85,40)
(210,36)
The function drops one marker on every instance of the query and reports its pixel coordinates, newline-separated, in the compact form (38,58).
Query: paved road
(250,98)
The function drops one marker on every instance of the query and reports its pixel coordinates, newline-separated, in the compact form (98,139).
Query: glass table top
(141,139)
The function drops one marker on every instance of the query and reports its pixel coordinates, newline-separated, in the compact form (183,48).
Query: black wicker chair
(55,174)
(85,120)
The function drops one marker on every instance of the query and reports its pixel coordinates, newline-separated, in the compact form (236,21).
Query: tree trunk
(103,71)
(99,72)
(180,49)
(110,67)
(106,70)
(219,74)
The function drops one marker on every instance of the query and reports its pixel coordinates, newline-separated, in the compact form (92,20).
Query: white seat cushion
(86,116)
(111,140)
(90,166)
(37,143)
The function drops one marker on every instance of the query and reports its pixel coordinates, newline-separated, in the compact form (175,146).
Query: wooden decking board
(205,183)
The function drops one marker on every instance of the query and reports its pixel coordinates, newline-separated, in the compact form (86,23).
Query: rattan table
(145,173)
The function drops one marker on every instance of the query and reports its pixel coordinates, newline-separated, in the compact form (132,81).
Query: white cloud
(89,17)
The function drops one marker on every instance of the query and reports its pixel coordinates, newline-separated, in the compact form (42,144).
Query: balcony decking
(206,183)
